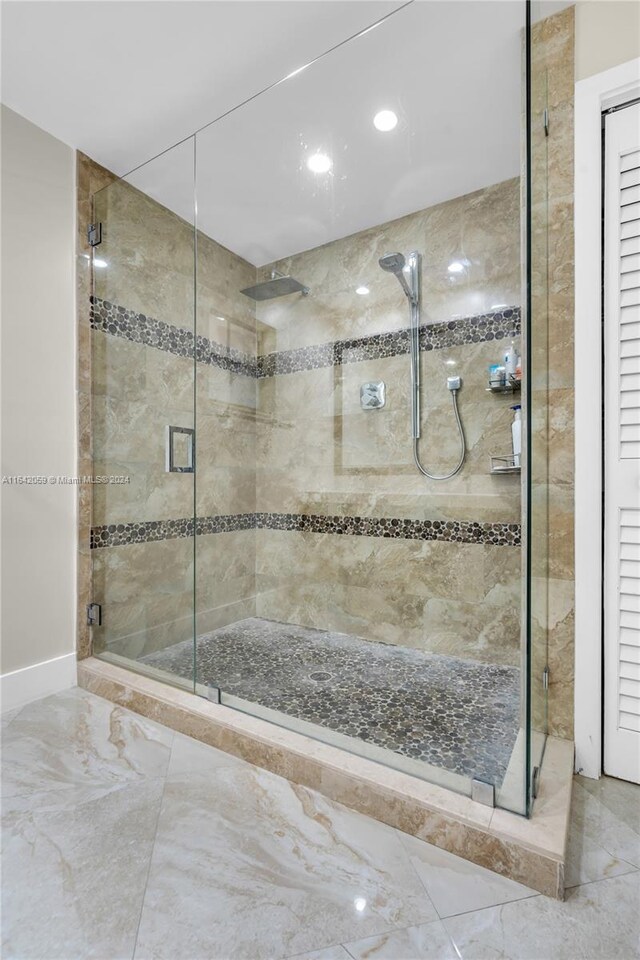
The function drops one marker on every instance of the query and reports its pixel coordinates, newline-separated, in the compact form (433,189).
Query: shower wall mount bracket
(483,792)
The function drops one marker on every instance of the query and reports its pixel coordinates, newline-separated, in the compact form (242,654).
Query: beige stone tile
(404,567)
(561,432)
(169,378)
(561,531)
(118,367)
(561,632)
(478,631)
(225,490)
(138,570)
(221,391)
(560,149)
(558,50)
(210,619)
(121,502)
(225,556)
(561,338)
(225,440)
(502,575)
(365,612)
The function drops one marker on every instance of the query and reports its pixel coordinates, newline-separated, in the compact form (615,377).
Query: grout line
(413,869)
(151,852)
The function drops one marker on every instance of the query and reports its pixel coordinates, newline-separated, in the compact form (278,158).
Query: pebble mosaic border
(456,531)
(497,325)
(120,322)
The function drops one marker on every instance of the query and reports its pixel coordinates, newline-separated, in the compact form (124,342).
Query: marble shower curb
(530,851)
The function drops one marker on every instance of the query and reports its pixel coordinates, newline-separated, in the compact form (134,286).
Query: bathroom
(319,495)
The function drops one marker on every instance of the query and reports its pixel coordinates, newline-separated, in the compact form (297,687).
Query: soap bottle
(516,434)
(510,362)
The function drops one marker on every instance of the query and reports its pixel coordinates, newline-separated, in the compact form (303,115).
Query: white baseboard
(40,680)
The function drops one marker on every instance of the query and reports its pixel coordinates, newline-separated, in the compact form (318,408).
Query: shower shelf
(502,465)
(514,386)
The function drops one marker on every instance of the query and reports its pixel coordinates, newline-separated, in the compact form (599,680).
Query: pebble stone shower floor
(461,715)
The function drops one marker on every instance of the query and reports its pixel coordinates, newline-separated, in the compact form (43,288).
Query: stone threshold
(530,851)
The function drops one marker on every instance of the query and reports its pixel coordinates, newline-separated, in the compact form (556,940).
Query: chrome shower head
(395,263)
(277,286)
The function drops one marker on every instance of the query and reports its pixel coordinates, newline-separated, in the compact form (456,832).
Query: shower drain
(320,675)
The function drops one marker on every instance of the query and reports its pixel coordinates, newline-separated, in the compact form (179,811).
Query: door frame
(593,95)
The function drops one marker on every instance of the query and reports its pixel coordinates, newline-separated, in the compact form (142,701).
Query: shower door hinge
(483,792)
(94,234)
(545,678)
(545,121)
(94,614)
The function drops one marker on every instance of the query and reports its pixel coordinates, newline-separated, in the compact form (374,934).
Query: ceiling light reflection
(385,120)
(319,163)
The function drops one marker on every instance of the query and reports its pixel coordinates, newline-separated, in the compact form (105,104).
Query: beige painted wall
(607,34)
(38,394)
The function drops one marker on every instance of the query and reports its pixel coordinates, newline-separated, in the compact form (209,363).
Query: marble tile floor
(123,839)
(461,715)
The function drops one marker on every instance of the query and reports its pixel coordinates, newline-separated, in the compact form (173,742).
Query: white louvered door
(622,444)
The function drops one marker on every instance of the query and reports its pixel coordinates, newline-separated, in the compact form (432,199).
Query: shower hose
(463,447)
(414,345)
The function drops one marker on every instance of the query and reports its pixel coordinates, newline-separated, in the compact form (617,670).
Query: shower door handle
(183,461)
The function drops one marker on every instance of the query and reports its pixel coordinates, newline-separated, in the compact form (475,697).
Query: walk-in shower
(397,264)
(304,571)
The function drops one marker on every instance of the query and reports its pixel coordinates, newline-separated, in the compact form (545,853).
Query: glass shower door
(143,348)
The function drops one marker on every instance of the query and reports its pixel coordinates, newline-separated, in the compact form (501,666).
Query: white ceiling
(122,81)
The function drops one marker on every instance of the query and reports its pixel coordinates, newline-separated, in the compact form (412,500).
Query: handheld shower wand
(397,264)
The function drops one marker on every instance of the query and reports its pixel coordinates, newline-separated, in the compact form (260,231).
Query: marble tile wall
(552,371)
(319,452)
(298,442)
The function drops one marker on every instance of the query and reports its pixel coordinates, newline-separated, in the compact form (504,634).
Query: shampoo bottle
(510,362)
(516,434)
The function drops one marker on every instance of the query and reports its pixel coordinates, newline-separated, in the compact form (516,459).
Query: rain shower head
(277,286)
(395,263)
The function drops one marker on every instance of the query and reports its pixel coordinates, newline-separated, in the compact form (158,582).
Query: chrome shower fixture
(277,286)
(402,266)
(396,263)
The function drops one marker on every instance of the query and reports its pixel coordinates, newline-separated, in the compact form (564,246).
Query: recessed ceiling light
(360,904)
(456,266)
(319,163)
(362,291)
(385,120)
(99,263)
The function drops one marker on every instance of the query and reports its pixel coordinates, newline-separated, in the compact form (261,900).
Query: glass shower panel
(143,340)
(538,395)
(339,591)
